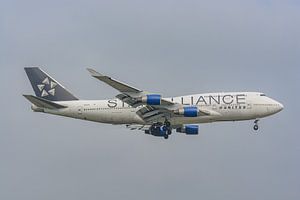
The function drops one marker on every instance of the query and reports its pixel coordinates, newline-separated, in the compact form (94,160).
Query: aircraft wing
(128,94)
(122,87)
(133,99)
(132,96)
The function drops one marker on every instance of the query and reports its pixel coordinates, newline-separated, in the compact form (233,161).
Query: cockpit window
(262,95)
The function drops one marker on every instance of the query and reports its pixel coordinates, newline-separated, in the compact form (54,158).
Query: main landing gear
(160,129)
(255,127)
(168,127)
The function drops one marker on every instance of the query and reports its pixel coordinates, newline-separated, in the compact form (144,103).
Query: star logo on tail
(47,87)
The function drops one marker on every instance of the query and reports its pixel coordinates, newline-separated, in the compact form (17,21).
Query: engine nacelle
(190,111)
(152,99)
(189,129)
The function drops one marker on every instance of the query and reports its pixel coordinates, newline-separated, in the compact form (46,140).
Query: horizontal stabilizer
(43,103)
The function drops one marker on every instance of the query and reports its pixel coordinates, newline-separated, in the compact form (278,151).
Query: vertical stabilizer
(46,87)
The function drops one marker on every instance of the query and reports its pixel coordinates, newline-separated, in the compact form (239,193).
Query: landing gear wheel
(168,126)
(166,136)
(255,127)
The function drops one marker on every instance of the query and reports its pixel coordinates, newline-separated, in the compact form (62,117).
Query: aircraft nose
(275,106)
(280,106)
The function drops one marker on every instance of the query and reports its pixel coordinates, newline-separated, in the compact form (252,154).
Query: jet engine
(152,99)
(189,111)
(189,129)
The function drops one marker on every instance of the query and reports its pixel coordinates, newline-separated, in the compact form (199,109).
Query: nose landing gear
(255,127)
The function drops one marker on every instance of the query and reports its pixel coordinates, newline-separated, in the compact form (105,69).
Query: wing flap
(129,100)
(150,114)
(138,127)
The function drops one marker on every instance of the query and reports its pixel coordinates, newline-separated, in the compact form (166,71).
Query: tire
(166,136)
(255,127)
(169,132)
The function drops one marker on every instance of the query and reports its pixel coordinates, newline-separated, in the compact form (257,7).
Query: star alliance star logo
(47,87)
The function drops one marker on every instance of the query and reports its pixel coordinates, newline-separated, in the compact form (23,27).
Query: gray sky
(169,47)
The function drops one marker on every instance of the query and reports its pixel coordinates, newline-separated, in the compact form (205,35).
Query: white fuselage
(233,106)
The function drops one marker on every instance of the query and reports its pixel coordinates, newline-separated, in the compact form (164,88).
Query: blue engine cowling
(191,111)
(188,111)
(152,99)
(189,129)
